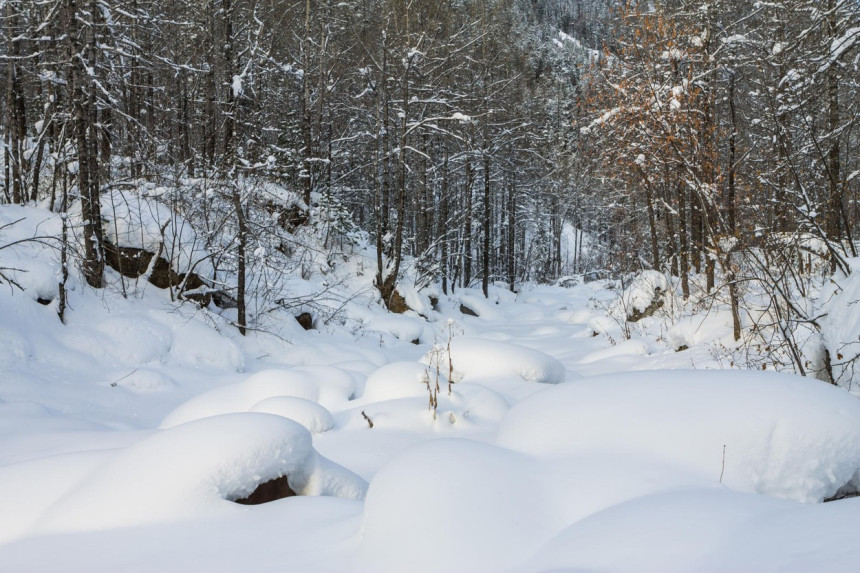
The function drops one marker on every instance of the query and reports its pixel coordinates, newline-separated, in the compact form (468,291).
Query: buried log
(271,490)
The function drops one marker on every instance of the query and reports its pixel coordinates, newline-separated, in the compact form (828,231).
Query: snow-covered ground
(545,434)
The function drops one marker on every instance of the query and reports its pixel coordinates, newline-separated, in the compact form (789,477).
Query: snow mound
(445,505)
(476,358)
(400,380)
(643,293)
(194,469)
(307,413)
(242,396)
(782,435)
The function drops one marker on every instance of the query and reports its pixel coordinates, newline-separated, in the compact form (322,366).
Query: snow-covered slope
(564,439)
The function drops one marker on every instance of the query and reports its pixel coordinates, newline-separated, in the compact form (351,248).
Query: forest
(477,141)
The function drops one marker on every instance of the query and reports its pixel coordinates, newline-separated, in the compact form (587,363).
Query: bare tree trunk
(683,250)
(512,233)
(485,263)
(82,98)
(467,226)
(307,181)
(443,223)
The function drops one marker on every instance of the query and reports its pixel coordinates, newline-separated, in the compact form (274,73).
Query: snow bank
(476,358)
(193,470)
(784,436)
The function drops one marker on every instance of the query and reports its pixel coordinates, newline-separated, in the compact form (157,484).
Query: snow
(568,438)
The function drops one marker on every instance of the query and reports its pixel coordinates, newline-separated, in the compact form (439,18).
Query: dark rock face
(271,490)
(467,311)
(396,303)
(305,320)
(132,262)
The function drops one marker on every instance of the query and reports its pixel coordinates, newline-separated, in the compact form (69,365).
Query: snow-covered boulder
(197,469)
(773,434)
(642,297)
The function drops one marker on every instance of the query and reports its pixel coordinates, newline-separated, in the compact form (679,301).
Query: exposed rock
(133,263)
(396,303)
(467,311)
(224,300)
(277,488)
(305,320)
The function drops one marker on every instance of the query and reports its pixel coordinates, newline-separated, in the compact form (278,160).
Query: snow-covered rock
(196,469)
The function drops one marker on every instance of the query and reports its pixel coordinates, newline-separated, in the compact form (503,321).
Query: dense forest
(475,141)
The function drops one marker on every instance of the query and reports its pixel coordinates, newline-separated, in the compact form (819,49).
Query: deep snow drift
(533,437)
